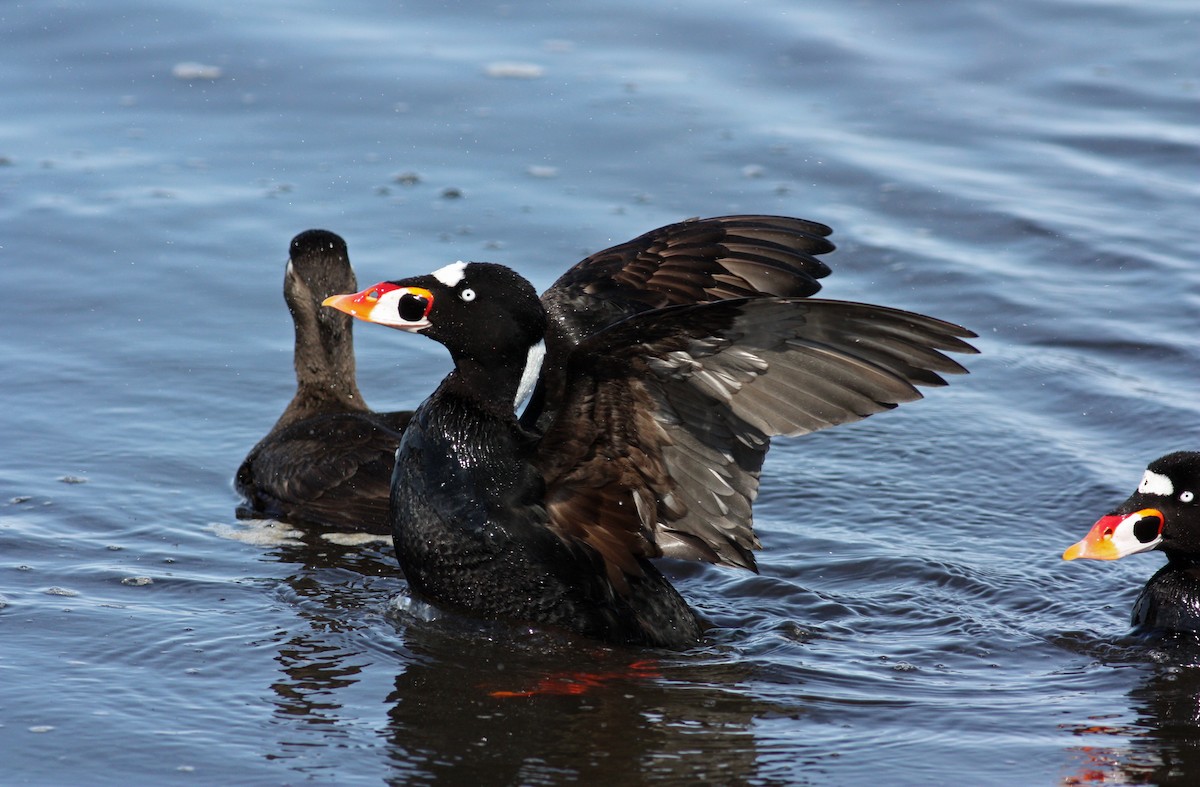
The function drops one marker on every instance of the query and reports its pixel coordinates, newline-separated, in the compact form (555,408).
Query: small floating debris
(57,591)
(42,728)
(407,178)
(260,532)
(450,192)
(72,479)
(195,71)
(541,171)
(753,171)
(137,581)
(355,539)
(514,70)
(19,499)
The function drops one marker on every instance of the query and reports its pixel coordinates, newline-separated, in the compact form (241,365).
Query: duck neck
(324,360)
(1182,560)
(500,383)
(492,389)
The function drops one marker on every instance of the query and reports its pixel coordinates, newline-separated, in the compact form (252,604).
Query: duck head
(1163,513)
(486,315)
(318,266)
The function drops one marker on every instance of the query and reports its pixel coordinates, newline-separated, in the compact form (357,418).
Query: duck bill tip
(1075,551)
(357,304)
(1098,543)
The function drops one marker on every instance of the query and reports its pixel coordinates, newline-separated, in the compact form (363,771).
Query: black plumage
(655,413)
(689,262)
(328,459)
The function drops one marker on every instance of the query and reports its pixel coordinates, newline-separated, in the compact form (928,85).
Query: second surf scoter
(1162,514)
(657,392)
(328,459)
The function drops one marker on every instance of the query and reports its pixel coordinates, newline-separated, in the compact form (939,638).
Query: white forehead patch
(1156,484)
(452,274)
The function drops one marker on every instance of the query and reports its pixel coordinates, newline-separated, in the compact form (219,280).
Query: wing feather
(668,415)
(686,263)
(693,261)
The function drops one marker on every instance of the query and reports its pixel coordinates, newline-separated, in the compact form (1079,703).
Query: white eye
(1186,497)
(467,295)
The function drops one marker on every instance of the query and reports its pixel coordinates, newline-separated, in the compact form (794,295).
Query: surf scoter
(658,390)
(328,460)
(1163,514)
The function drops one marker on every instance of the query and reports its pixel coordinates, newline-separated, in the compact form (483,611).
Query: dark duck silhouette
(662,368)
(1162,514)
(328,459)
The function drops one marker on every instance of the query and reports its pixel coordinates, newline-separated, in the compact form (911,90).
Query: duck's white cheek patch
(387,312)
(452,274)
(1156,484)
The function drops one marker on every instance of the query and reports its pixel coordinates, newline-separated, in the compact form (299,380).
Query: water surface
(1027,169)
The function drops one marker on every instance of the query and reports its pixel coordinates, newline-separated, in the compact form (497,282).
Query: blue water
(1028,169)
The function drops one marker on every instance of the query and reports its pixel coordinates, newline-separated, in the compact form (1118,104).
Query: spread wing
(690,262)
(657,447)
(332,470)
(693,261)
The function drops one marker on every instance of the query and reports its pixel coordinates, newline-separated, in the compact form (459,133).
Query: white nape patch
(451,274)
(1156,484)
(529,377)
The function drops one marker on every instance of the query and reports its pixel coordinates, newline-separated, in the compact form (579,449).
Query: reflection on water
(448,724)
(1167,705)
(1155,741)
(470,704)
